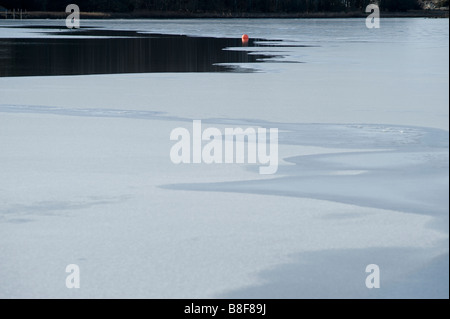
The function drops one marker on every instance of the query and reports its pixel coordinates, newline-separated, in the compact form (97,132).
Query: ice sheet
(86,176)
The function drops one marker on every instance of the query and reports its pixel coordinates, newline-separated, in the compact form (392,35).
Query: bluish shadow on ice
(341,274)
(393,167)
(20,213)
(406,168)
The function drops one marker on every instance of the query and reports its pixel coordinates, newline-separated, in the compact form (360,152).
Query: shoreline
(225,15)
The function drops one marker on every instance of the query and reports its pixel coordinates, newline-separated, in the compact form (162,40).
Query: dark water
(122,52)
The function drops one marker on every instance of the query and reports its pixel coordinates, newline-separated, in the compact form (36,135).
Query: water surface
(94,51)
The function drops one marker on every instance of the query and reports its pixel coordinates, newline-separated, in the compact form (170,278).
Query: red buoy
(244,38)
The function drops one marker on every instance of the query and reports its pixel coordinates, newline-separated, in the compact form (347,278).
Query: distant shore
(224,15)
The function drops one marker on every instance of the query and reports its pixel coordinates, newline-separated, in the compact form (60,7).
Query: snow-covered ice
(86,177)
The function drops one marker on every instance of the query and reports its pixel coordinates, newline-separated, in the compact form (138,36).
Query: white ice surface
(86,178)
